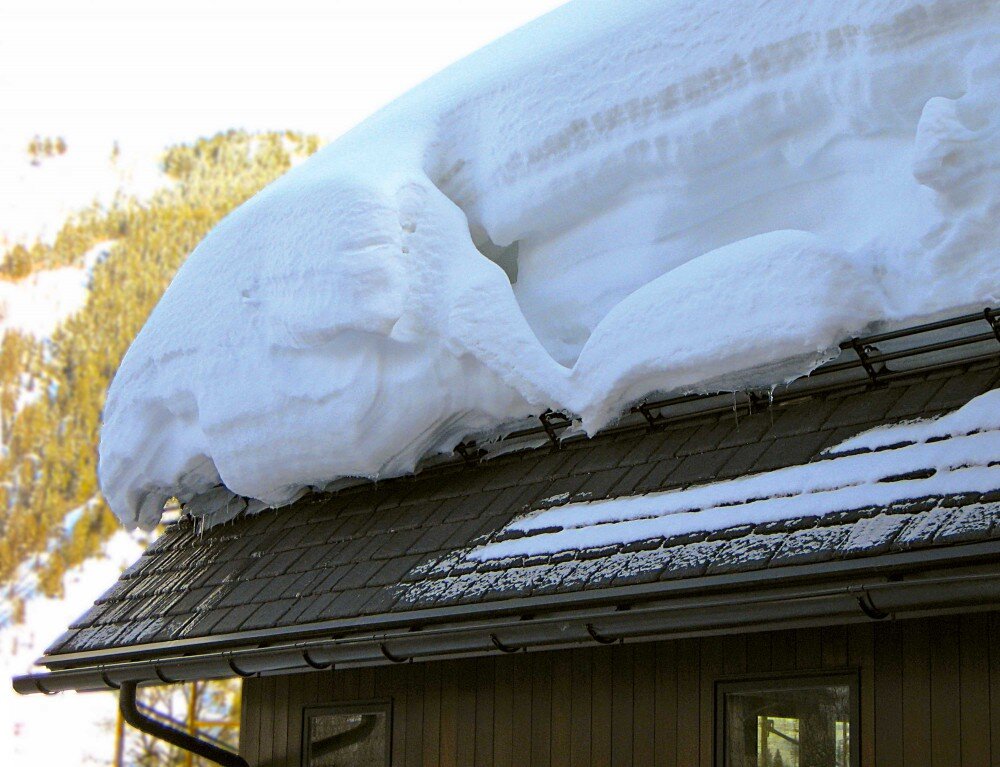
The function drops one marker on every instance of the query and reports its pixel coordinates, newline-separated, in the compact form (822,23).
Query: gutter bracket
(505,648)
(315,663)
(992,316)
(392,657)
(107,680)
(868,607)
(156,670)
(237,670)
(863,350)
(132,715)
(654,420)
(601,638)
(552,420)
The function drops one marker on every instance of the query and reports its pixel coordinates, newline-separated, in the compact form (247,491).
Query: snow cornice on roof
(867,361)
(615,200)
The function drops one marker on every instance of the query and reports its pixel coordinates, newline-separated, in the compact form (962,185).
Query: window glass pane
(348,737)
(807,725)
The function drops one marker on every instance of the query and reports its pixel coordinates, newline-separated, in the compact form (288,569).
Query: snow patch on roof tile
(948,466)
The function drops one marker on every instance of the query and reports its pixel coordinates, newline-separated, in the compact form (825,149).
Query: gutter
(697,615)
(879,567)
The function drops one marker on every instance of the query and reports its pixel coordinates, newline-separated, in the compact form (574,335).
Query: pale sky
(168,70)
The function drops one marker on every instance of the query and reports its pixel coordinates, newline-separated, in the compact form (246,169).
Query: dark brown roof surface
(402,544)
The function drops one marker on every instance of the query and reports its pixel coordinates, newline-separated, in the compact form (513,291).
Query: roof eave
(907,584)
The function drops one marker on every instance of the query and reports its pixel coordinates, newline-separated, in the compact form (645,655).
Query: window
(789,722)
(347,736)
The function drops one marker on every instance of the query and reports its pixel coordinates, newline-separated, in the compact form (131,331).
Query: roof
(406,545)
(868,490)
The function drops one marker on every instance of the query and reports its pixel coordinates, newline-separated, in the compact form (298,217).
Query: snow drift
(662,195)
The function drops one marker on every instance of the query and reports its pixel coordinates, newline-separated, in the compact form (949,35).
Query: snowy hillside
(38,194)
(68,311)
(37,304)
(85,722)
(35,201)
(77,307)
(619,199)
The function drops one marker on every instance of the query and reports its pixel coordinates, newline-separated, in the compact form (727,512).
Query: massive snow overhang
(614,201)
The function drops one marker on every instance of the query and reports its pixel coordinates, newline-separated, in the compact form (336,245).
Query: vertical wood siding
(929,695)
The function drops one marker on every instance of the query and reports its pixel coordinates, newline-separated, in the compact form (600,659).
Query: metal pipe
(989,315)
(130,713)
(928,327)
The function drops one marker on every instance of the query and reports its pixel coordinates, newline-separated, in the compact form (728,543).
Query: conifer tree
(48,443)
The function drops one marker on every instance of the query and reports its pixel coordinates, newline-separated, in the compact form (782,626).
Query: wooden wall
(930,695)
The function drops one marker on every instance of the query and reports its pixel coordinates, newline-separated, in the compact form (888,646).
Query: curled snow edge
(615,200)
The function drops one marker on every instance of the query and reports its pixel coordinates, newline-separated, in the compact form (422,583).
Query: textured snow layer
(960,464)
(981,414)
(662,195)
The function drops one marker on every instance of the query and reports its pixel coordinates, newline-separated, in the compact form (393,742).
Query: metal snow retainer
(863,356)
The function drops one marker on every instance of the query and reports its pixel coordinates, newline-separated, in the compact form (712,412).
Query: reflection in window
(347,736)
(788,723)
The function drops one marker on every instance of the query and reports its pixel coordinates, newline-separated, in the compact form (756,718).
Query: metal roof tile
(600,484)
(690,560)
(748,552)
(608,454)
(705,438)
(957,390)
(700,467)
(922,528)
(647,447)
(383,600)
(659,476)
(631,568)
(873,535)
(801,417)
(788,451)
(742,460)
(815,544)
(747,429)
(969,523)
(868,406)
(223,621)
(432,538)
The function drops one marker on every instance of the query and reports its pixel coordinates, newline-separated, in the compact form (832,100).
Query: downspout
(131,714)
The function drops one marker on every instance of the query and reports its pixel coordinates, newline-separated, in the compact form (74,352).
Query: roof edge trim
(849,600)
